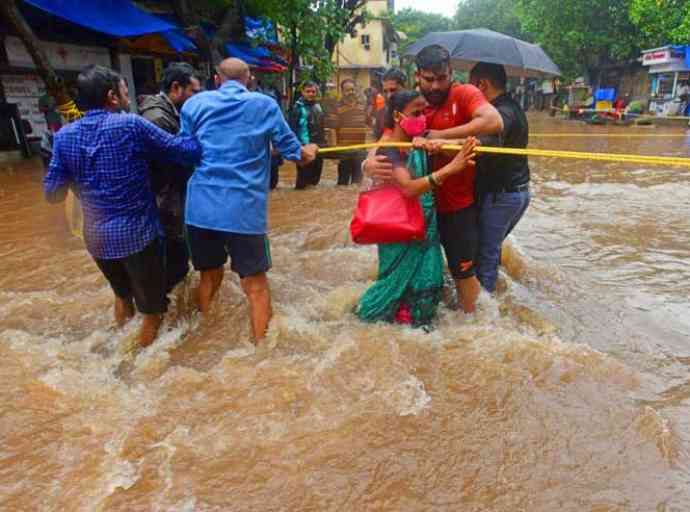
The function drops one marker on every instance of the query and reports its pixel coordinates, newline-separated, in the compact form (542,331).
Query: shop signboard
(662,56)
(64,57)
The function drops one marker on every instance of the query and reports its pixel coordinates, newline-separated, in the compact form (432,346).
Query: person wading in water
(409,286)
(104,158)
(227,196)
(502,180)
(455,111)
(169,182)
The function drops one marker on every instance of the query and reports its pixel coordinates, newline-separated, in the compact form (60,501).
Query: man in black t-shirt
(502,183)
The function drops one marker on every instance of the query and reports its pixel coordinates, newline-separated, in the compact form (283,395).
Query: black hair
(93,85)
(396,75)
(433,58)
(348,81)
(494,73)
(309,83)
(179,72)
(397,103)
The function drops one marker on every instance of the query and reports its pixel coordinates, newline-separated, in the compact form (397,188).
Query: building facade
(373,48)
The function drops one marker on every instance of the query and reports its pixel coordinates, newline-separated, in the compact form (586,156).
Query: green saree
(410,280)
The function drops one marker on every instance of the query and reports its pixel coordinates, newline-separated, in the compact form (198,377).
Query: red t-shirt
(463,100)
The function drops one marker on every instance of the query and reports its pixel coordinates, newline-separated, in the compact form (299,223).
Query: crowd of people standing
(189,179)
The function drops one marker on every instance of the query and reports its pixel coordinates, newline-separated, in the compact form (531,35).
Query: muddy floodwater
(570,391)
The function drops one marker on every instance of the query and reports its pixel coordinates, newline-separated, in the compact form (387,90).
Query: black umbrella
(467,47)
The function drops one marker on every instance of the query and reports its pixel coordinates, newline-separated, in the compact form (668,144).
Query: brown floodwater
(570,391)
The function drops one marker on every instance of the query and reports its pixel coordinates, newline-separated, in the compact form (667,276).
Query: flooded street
(570,391)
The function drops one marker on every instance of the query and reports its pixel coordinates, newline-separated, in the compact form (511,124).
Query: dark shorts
(249,254)
(140,276)
(176,262)
(459,232)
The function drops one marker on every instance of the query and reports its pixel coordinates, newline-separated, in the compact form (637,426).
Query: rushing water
(569,392)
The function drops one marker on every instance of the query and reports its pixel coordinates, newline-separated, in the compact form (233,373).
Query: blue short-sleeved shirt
(229,188)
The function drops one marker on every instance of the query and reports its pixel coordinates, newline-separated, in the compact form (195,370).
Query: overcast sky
(445,7)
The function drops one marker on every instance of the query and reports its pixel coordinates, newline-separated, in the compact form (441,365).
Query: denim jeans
(498,216)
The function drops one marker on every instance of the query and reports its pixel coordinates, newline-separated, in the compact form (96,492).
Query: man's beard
(436,98)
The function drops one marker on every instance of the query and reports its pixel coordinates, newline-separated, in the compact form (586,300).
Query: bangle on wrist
(432,180)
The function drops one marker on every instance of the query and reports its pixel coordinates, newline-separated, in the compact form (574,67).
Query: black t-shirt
(496,173)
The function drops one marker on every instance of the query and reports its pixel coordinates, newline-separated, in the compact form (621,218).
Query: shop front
(24,88)
(668,72)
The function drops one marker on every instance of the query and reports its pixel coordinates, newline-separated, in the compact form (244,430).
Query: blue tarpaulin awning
(118,18)
(255,56)
(261,29)
(178,41)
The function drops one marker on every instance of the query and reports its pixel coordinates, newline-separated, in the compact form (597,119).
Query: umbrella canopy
(467,47)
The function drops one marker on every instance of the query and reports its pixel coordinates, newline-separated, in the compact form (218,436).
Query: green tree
(416,24)
(662,21)
(580,35)
(231,26)
(312,30)
(498,15)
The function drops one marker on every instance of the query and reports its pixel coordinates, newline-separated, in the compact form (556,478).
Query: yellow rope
(75,218)
(607,157)
(601,134)
(70,111)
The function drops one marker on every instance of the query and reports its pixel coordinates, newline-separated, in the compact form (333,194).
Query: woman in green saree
(410,279)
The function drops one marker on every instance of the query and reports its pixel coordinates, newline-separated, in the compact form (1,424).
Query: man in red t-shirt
(455,111)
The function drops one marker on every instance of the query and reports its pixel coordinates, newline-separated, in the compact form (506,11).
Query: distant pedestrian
(351,129)
(393,80)
(47,105)
(307,122)
(683,94)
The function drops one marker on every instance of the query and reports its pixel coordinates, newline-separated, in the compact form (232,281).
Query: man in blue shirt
(228,193)
(104,158)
